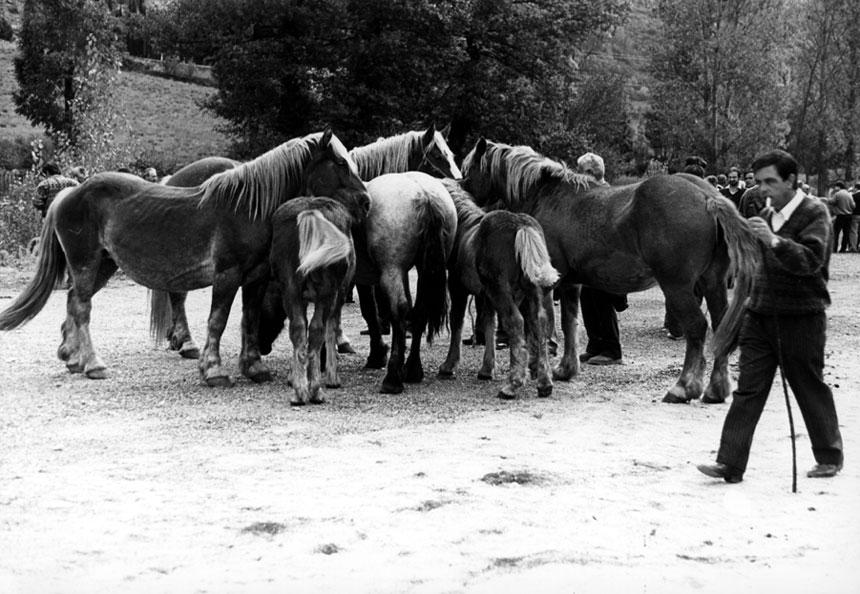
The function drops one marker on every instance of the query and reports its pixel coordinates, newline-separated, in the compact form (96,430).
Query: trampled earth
(149,481)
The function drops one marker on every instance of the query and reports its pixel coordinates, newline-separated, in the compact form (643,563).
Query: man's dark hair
(783,162)
(50,169)
(735,170)
(839,184)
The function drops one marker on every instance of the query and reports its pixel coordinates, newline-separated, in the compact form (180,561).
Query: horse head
(331,172)
(477,174)
(436,158)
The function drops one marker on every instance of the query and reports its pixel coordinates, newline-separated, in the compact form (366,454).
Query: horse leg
(550,330)
(179,334)
(393,285)
(87,281)
(487,325)
(378,349)
(569,364)
(716,296)
(684,304)
(534,320)
(459,300)
(332,378)
(499,294)
(224,289)
(250,361)
(299,337)
(316,337)
(344,347)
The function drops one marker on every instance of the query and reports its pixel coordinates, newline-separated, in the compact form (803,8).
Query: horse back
(199,171)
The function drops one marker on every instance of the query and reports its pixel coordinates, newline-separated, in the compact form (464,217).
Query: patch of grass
(521,477)
(258,528)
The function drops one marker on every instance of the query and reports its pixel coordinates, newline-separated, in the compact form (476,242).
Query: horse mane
(260,186)
(516,170)
(469,214)
(387,155)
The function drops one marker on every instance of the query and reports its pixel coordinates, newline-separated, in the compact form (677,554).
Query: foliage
(721,75)
(825,110)
(19,221)
(68,58)
(6,31)
(376,67)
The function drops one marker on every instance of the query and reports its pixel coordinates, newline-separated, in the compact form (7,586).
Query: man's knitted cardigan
(792,277)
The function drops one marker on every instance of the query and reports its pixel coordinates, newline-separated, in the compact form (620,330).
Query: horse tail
(534,258)
(160,315)
(50,273)
(321,243)
(432,297)
(744,253)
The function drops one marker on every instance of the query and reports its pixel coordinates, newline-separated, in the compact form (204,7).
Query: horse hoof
(297,401)
(219,381)
(97,373)
(74,367)
(261,377)
(333,385)
(502,395)
(672,398)
(345,348)
(317,399)
(484,376)
(708,399)
(414,377)
(189,350)
(376,362)
(391,388)
(544,391)
(445,373)
(559,374)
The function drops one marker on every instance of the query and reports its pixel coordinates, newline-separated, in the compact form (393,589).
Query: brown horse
(179,239)
(674,231)
(312,261)
(501,258)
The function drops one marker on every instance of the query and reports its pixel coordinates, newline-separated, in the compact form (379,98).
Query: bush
(6,31)
(19,221)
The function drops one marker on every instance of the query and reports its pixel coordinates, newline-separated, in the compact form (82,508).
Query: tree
(68,55)
(722,74)
(826,101)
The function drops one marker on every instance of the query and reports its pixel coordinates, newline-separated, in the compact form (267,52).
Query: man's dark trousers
(802,338)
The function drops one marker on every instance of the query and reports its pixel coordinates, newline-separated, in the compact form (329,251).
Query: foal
(312,260)
(500,257)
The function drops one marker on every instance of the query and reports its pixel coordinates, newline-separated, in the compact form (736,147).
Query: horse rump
(431,302)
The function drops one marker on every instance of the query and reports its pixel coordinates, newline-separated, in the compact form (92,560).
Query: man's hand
(762,230)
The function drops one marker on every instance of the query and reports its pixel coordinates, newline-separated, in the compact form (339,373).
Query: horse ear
(326,138)
(445,131)
(429,134)
(480,146)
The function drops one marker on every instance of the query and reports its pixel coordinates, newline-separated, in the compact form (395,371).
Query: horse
(312,261)
(500,257)
(172,305)
(674,231)
(417,150)
(424,151)
(179,239)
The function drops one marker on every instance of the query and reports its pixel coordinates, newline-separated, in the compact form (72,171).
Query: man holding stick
(785,323)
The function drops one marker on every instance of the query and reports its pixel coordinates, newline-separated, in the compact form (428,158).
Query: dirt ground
(150,482)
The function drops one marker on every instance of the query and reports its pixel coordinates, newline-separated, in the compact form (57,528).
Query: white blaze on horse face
(449,155)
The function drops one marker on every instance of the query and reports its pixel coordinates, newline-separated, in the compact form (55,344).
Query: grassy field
(165,115)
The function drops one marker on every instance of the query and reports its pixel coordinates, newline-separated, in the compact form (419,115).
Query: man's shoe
(586,356)
(722,471)
(824,470)
(604,360)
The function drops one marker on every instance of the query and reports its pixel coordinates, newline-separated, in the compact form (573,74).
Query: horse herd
(297,224)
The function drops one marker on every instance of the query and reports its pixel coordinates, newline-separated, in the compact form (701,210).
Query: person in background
(733,190)
(599,308)
(150,175)
(842,209)
(79,173)
(853,238)
(722,181)
(49,187)
(752,201)
(785,324)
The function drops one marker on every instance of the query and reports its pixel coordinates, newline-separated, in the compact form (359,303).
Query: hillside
(164,115)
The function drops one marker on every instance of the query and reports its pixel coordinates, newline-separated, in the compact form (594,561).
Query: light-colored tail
(50,272)
(534,258)
(745,253)
(320,242)
(160,315)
